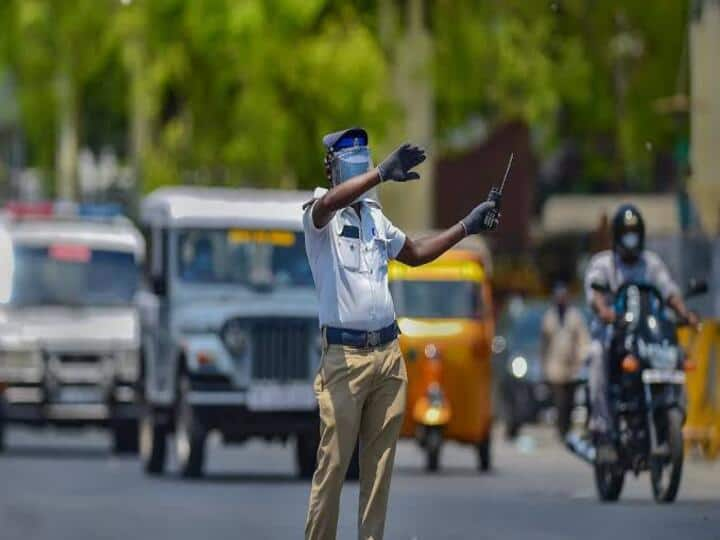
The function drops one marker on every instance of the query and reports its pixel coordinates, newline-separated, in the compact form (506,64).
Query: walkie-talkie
(496,195)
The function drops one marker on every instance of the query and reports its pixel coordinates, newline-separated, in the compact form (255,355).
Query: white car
(69,329)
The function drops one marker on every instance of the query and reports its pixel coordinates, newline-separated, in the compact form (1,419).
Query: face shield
(350,162)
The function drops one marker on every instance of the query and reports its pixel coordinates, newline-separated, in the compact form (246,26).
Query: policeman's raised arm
(396,167)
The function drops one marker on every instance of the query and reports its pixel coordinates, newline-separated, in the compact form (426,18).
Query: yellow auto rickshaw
(445,315)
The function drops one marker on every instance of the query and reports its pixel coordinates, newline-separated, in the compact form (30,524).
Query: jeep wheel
(190,435)
(353,472)
(306,447)
(125,436)
(153,441)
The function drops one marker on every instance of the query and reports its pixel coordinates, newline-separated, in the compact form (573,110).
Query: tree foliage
(241,92)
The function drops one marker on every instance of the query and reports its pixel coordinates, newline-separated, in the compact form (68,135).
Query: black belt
(360,338)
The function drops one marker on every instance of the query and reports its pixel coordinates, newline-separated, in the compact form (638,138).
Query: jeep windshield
(436,299)
(250,257)
(72,275)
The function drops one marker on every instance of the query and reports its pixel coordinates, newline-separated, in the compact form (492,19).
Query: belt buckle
(373,339)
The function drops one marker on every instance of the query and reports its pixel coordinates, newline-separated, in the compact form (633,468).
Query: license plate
(80,395)
(283,397)
(663,376)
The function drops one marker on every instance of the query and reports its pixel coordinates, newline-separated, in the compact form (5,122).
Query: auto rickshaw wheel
(433,445)
(484,455)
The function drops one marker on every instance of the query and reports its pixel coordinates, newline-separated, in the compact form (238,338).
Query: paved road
(61,486)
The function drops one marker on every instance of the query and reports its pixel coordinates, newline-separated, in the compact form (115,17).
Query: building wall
(465,180)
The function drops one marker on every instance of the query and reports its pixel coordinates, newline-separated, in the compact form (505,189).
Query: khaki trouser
(360,392)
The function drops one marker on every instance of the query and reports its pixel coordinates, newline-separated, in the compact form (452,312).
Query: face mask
(630,240)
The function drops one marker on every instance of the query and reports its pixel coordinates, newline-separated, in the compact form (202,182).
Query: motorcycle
(646,384)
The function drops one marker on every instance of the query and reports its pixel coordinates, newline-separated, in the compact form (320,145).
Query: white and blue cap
(350,153)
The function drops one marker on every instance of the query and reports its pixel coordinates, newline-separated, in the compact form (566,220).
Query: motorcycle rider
(628,261)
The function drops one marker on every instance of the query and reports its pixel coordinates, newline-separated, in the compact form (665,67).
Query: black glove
(484,217)
(398,164)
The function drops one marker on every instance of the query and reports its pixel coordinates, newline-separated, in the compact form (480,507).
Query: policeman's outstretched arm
(484,217)
(397,167)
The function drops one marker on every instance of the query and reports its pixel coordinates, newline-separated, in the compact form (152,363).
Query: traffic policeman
(362,381)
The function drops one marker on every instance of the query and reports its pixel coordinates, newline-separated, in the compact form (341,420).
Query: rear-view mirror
(696,287)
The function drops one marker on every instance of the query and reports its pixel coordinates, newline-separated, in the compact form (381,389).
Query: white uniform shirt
(349,262)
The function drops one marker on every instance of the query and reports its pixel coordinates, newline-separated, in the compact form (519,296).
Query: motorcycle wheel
(609,481)
(666,473)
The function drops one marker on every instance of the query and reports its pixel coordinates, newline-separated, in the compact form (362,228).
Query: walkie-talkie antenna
(507,171)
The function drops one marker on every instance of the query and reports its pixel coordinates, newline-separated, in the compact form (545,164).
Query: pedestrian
(564,342)
(362,381)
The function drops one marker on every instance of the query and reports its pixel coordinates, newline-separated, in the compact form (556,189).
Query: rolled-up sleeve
(395,238)
(596,274)
(660,276)
(314,236)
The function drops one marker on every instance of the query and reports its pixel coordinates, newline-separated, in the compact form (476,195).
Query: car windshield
(72,275)
(247,257)
(436,299)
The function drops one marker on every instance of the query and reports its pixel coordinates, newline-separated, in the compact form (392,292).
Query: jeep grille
(280,349)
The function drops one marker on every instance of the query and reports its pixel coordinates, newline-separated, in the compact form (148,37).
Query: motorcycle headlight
(127,365)
(519,367)
(236,338)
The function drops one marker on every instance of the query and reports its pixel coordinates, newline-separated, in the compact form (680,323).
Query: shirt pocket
(349,253)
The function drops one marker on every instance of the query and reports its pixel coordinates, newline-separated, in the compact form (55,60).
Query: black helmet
(628,229)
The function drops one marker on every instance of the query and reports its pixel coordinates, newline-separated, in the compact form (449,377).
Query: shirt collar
(320,191)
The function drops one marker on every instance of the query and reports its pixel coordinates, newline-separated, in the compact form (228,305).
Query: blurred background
(109,100)
(602,102)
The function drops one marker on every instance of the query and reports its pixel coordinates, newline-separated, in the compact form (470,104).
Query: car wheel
(190,435)
(2,424)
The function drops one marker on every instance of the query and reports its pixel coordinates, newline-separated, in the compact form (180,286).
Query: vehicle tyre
(2,424)
(125,436)
(306,448)
(353,472)
(512,427)
(153,442)
(484,455)
(666,473)
(190,435)
(433,445)
(609,481)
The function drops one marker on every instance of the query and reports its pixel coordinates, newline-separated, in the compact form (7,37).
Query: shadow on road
(57,452)
(240,478)
(444,472)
